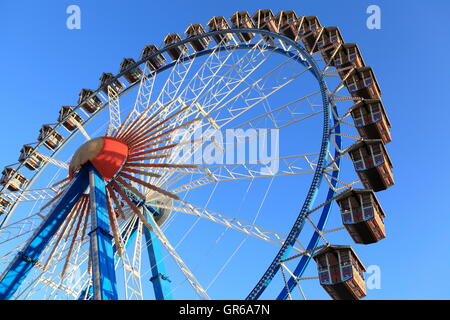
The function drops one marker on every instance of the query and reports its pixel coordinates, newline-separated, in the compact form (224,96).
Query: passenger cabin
(346,57)
(309,30)
(341,272)
(107,82)
(220,23)
(4,205)
(265,19)
(90,105)
(177,52)
(16,181)
(51,138)
(288,24)
(372,164)
(371,120)
(132,75)
(330,38)
(31,159)
(156,61)
(242,20)
(199,44)
(362,215)
(69,118)
(361,82)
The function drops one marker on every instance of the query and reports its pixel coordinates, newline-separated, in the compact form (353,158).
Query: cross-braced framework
(195,145)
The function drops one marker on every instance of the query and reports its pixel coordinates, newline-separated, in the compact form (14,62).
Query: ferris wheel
(219,157)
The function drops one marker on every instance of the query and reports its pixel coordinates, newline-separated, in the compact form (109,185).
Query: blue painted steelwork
(303,263)
(288,244)
(101,245)
(161,282)
(5,217)
(28,257)
(312,193)
(87,293)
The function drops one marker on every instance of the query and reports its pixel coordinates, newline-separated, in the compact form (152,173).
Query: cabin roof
(351,191)
(255,15)
(7,170)
(194,27)
(367,68)
(287,12)
(238,16)
(63,110)
(217,19)
(240,13)
(106,76)
(150,46)
(310,18)
(350,45)
(365,142)
(339,247)
(370,101)
(83,91)
(125,63)
(172,36)
(26,147)
(328,29)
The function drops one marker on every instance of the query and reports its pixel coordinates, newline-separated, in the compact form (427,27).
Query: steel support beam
(101,245)
(26,259)
(161,283)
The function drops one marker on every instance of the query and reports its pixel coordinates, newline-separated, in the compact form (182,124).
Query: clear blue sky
(44,65)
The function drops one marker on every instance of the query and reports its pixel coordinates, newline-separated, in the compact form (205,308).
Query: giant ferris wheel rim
(325,145)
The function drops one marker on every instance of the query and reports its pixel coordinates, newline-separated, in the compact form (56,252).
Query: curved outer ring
(313,190)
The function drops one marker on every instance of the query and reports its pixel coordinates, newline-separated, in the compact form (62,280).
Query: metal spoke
(180,263)
(233,223)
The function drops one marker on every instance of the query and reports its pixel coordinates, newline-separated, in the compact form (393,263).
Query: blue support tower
(104,280)
(161,283)
(102,253)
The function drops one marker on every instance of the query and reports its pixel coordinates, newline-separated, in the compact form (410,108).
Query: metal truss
(114,112)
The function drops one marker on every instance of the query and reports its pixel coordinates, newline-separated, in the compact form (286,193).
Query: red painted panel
(111,158)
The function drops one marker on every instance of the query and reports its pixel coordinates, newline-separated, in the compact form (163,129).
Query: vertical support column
(101,246)
(161,283)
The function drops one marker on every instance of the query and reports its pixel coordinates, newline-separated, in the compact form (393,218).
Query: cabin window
(302,30)
(313,26)
(377,154)
(351,54)
(338,59)
(324,277)
(358,117)
(357,214)
(335,272)
(367,205)
(347,213)
(4,204)
(333,36)
(358,160)
(375,110)
(321,42)
(352,87)
(347,272)
(322,263)
(367,79)
(345,258)
(347,217)
(352,84)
